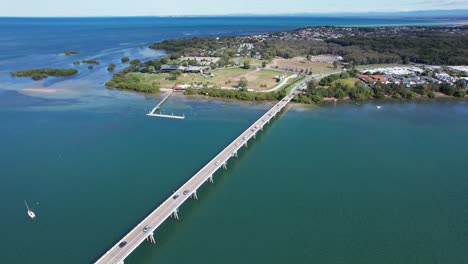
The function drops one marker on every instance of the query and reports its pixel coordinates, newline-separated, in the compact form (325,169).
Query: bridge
(170,207)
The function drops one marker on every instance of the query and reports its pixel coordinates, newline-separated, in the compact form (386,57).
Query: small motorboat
(379,107)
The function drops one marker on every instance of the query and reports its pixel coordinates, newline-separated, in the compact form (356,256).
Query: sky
(45,8)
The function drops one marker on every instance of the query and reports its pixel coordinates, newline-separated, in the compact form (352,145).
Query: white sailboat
(31,214)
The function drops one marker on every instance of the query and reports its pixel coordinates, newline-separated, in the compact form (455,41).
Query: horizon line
(459,12)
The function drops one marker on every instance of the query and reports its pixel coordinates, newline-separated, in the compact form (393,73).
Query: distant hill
(456,13)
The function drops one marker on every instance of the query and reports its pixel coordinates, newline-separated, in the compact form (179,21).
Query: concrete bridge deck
(170,206)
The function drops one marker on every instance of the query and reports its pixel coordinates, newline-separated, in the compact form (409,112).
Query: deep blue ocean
(334,184)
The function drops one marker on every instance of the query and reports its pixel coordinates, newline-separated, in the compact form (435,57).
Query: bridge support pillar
(225,165)
(246,144)
(151,239)
(255,135)
(194,195)
(235,154)
(120,262)
(210,179)
(175,214)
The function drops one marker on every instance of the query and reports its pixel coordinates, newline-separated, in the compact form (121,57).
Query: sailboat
(31,214)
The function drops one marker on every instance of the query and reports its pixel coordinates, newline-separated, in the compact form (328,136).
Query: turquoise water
(334,184)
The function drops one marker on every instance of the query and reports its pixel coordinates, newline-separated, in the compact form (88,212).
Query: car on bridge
(122,244)
(147,227)
(175,197)
(186,192)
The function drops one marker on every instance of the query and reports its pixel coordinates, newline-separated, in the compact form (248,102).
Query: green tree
(151,69)
(157,65)
(164,60)
(459,93)
(125,59)
(135,62)
(335,64)
(243,83)
(111,67)
(431,94)
(246,64)
(344,75)
(175,74)
(264,64)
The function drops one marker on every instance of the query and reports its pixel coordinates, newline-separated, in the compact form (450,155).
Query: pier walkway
(124,247)
(158,106)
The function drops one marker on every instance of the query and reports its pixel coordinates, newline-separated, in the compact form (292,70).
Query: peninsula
(340,61)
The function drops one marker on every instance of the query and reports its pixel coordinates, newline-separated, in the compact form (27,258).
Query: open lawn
(257,79)
(374,66)
(349,82)
(302,63)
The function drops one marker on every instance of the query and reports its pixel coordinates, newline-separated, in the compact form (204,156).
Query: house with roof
(170,68)
(464,81)
(372,79)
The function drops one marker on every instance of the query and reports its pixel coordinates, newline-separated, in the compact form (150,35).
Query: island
(339,63)
(111,67)
(70,52)
(39,74)
(90,62)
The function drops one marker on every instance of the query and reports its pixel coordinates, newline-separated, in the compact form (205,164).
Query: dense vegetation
(111,67)
(125,59)
(131,82)
(438,49)
(330,87)
(39,74)
(124,80)
(237,94)
(418,46)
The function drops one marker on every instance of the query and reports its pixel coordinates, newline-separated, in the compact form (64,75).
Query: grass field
(222,78)
(302,63)
(373,66)
(348,82)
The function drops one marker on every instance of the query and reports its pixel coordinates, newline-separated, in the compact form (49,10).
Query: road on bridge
(136,236)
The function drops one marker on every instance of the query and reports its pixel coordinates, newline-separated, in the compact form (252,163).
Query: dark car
(175,197)
(122,244)
(186,192)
